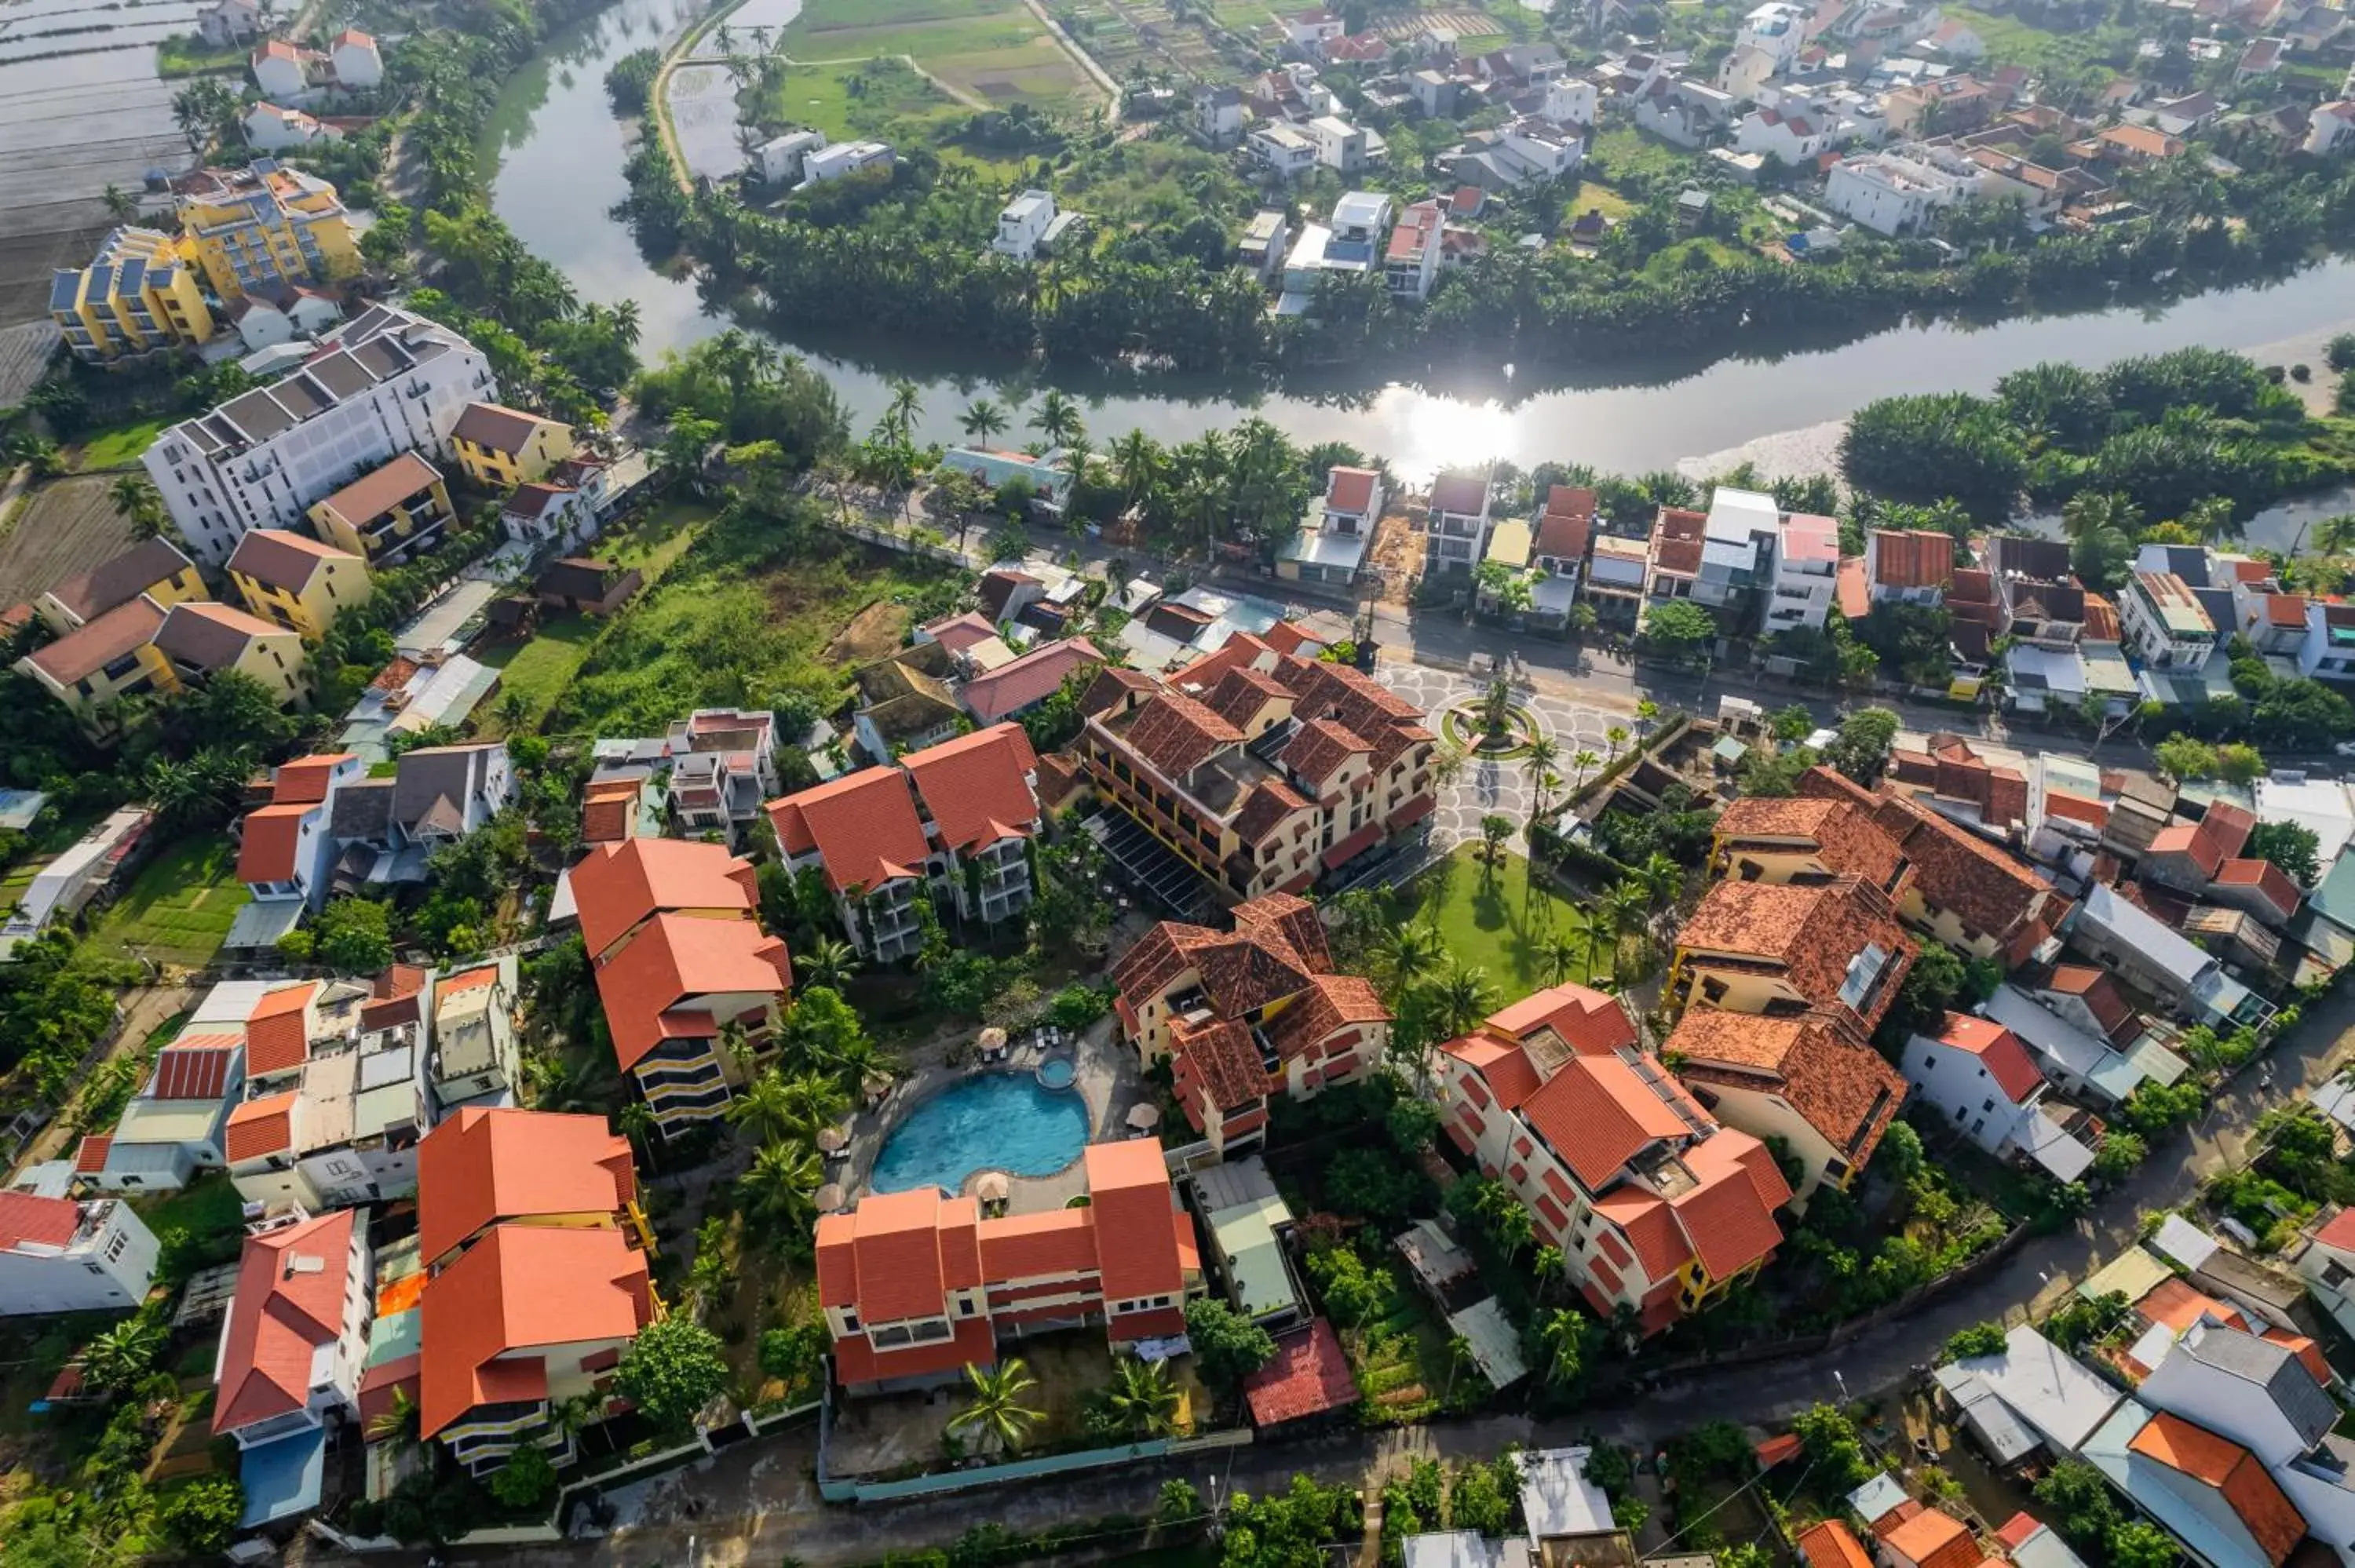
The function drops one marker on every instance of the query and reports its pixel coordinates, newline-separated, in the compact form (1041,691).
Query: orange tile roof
(304,780)
(1988,890)
(1176,733)
(277,1039)
(487,1165)
(608,811)
(2018,1529)
(1309,1376)
(1332,1004)
(283,1310)
(90,1155)
(521,1287)
(616,886)
(1932,1538)
(1843,835)
(1913,558)
(1651,1229)
(1051,1245)
(2179,1306)
(897,1255)
(1598,1114)
(2101,619)
(260,1126)
(27,1216)
(194,1067)
(1729,1217)
(1838,1086)
(1588,1021)
(863,827)
(2273,1521)
(2309,1354)
(673,959)
(1831,1544)
(975,786)
(1506,1070)
(1129,1197)
(1677,538)
(2268,879)
(1998,1049)
(1853,594)
(267,845)
(1812,934)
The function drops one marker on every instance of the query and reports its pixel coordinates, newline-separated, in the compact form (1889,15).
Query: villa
(291,1349)
(1247,1014)
(917,1286)
(1757,947)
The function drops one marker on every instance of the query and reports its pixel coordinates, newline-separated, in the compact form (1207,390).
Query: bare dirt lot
(69,526)
(873,633)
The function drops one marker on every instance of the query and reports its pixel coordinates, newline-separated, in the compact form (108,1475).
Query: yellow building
(199,639)
(141,294)
(389,514)
(153,567)
(111,658)
(501,448)
(264,227)
(296,582)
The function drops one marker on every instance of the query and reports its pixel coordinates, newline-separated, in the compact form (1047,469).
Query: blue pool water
(1056,1073)
(1000,1121)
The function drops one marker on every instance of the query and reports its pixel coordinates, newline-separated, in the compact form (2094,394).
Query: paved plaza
(1491,787)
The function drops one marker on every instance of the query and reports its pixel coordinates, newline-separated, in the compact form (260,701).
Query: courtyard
(1490,787)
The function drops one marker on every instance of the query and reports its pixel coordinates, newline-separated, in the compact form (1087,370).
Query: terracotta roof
(276,1036)
(1650,1227)
(1832,1545)
(118,581)
(1112,685)
(1031,679)
(2227,827)
(392,997)
(1241,692)
(1677,540)
(897,1255)
(1932,1538)
(210,636)
(90,648)
(289,1302)
(1913,558)
(1844,836)
(863,826)
(554,1288)
(276,558)
(46,1222)
(1511,1078)
(1998,1049)
(652,985)
(1176,734)
(2179,1305)
(1276,945)
(1319,748)
(1956,869)
(1309,1376)
(2141,139)
(487,1165)
(2017,1529)
(607,811)
(304,780)
(260,1126)
(1333,1002)
(1225,1059)
(1268,807)
(2309,1354)
(195,1068)
(1839,1087)
(2273,1521)
(496,427)
(1598,1114)
(1729,1217)
(975,786)
(2101,619)
(1813,935)
(1130,1201)
(90,1154)
(268,842)
(1051,1244)
(531,501)
(1589,1022)
(1466,493)
(616,886)
(2275,884)
(1350,489)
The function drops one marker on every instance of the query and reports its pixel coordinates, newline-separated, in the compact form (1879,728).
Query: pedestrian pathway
(1488,788)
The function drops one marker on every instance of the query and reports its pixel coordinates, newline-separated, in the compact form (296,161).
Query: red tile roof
(1222,1058)
(277,1039)
(1309,1376)
(1589,1022)
(1031,679)
(1598,1114)
(1177,734)
(46,1222)
(1333,1002)
(2273,1521)
(1849,589)
(1998,1051)
(897,1255)
(304,780)
(863,826)
(484,1165)
(1129,1198)
(1350,489)
(1932,1538)
(1729,1217)
(550,1288)
(260,1126)
(1319,748)
(1508,1073)
(2018,1529)
(1844,836)
(195,1068)
(1838,1086)
(289,1302)
(2275,884)
(268,842)
(1054,1243)
(1677,540)
(1810,934)
(975,786)
(617,886)
(1913,558)
(90,1155)
(1832,1545)
(1464,493)
(608,810)
(1261,960)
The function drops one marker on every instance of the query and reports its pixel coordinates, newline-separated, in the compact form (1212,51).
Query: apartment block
(260,229)
(141,293)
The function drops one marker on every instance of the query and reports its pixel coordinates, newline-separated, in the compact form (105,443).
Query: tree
(2184,758)
(2138,1543)
(1978,1340)
(1058,419)
(795,1356)
(1679,631)
(119,1357)
(2080,1496)
(2293,846)
(1927,448)
(995,1415)
(1566,1335)
(136,496)
(2237,762)
(525,1479)
(1478,1498)
(765,1110)
(1228,1346)
(201,1517)
(1829,1439)
(982,420)
(671,1370)
(1178,1503)
(780,1188)
(397,1422)
(353,936)
(1140,1398)
(1495,828)
(1862,749)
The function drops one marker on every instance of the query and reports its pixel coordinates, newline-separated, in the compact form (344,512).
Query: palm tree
(2336,536)
(899,414)
(982,420)
(1539,763)
(123,1355)
(1559,956)
(1137,460)
(1563,1331)
(725,37)
(120,205)
(1142,1399)
(1459,998)
(1548,1263)
(1058,419)
(814,1101)
(998,1417)
(780,1188)
(1411,954)
(397,1423)
(1585,762)
(1617,737)
(1660,877)
(1648,714)
(766,1110)
(623,318)
(1626,910)
(828,962)
(636,1120)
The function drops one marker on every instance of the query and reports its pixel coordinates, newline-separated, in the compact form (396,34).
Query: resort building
(97,665)
(500,448)
(1258,772)
(679,955)
(389,514)
(59,1255)
(199,638)
(1654,1205)
(1247,1014)
(1801,1080)
(259,228)
(1757,947)
(141,294)
(296,581)
(954,820)
(917,1286)
(386,383)
(153,570)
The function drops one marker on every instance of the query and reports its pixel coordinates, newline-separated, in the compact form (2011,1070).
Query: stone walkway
(1487,787)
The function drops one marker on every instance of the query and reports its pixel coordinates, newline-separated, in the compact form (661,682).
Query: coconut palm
(1547,1263)
(1538,762)
(1562,1332)
(1137,462)
(120,205)
(1585,762)
(828,962)
(907,402)
(397,1423)
(1456,1000)
(1140,1399)
(1559,956)
(1626,911)
(1660,877)
(765,1111)
(637,1122)
(2336,536)
(125,1353)
(1411,954)
(625,319)
(982,420)
(997,1416)
(1617,737)
(780,1188)
(1058,419)
(814,1101)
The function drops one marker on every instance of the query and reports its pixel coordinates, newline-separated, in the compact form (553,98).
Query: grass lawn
(116,446)
(179,909)
(2010,41)
(1601,198)
(1625,150)
(996,49)
(1400,1353)
(185,55)
(1498,922)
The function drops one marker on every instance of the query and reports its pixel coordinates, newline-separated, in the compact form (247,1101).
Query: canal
(558,153)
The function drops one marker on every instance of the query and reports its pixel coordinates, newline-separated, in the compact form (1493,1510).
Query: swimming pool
(1057,1072)
(999,1121)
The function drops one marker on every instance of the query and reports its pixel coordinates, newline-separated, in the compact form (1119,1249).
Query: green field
(1501,924)
(2010,41)
(184,54)
(1625,150)
(178,910)
(992,52)
(117,445)
(879,98)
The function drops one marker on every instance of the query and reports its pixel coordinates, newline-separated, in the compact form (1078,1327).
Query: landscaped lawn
(1497,921)
(178,910)
(116,446)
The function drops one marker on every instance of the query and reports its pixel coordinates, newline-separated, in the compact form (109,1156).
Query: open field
(872,98)
(2010,41)
(68,527)
(1501,924)
(178,909)
(996,50)
(115,446)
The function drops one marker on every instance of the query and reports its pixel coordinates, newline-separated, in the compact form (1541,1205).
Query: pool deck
(1105,1075)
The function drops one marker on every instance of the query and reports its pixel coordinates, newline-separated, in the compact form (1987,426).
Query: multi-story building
(722,765)
(2165,622)
(140,295)
(1909,566)
(1978,1075)
(1893,193)
(1261,772)
(1244,1015)
(109,659)
(500,448)
(474,1059)
(283,846)
(678,954)
(1740,539)
(1806,565)
(1804,1081)
(58,1256)
(1761,947)
(1455,531)
(152,568)
(296,581)
(199,638)
(388,382)
(262,227)
(1654,1205)
(176,1125)
(344,1133)
(917,1286)
(389,514)
(294,1342)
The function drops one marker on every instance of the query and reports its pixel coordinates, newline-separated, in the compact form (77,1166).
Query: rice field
(995,52)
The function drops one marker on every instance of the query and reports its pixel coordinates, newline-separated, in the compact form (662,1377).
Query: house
(2133,145)
(842,160)
(341,1129)
(176,1125)
(1435,93)
(1014,688)
(153,569)
(385,829)
(272,129)
(386,383)
(387,515)
(58,1255)
(2261,58)
(355,60)
(199,638)
(1245,1014)
(1954,40)
(1046,475)
(1410,262)
(1219,115)
(2182,116)
(2326,1264)
(1908,566)
(1024,227)
(1892,193)
(1565,533)
(285,70)
(1654,1205)
(917,1286)
(1310,31)
(1792,138)
(2331,128)
(583,586)
(1456,522)
(563,509)
(1979,1075)
(1257,772)
(1778,29)
(1806,1080)
(1617,571)
(907,701)
(296,582)
(1248,1225)
(680,957)
(2139,949)
(980,806)
(1685,113)
(111,658)
(292,1347)
(2210,1492)
(141,293)
(284,847)
(475,1058)
(2165,624)
(1283,149)
(2084,1063)
(265,226)
(723,765)
(1520,66)
(1345,148)
(500,447)
(228,22)
(2030,1394)
(1262,246)
(1806,564)
(529,1224)
(1570,100)
(784,158)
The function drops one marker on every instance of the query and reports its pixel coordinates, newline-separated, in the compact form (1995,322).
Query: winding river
(558,154)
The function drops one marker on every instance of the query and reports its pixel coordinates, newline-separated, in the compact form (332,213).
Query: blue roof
(284,1477)
(65,290)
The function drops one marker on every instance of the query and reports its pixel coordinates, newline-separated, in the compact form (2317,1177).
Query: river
(559,153)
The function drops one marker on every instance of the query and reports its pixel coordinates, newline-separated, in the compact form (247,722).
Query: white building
(2331,128)
(270,129)
(358,63)
(58,1255)
(1979,1077)
(1571,101)
(1891,193)
(1312,30)
(294,1341)
(781,157)
(1283,149)
(61,889)
(1457,530)
(1023,223)
(228,22)
(265,323)
(842,160)
(1777,29)
(2164,621)
(1807,570)
(1219,114)
(1789,136)
(1738,545)
(1345,148)
(1683,111)
(387,383)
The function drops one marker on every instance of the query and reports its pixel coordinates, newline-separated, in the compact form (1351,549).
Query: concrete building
(58,1255)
